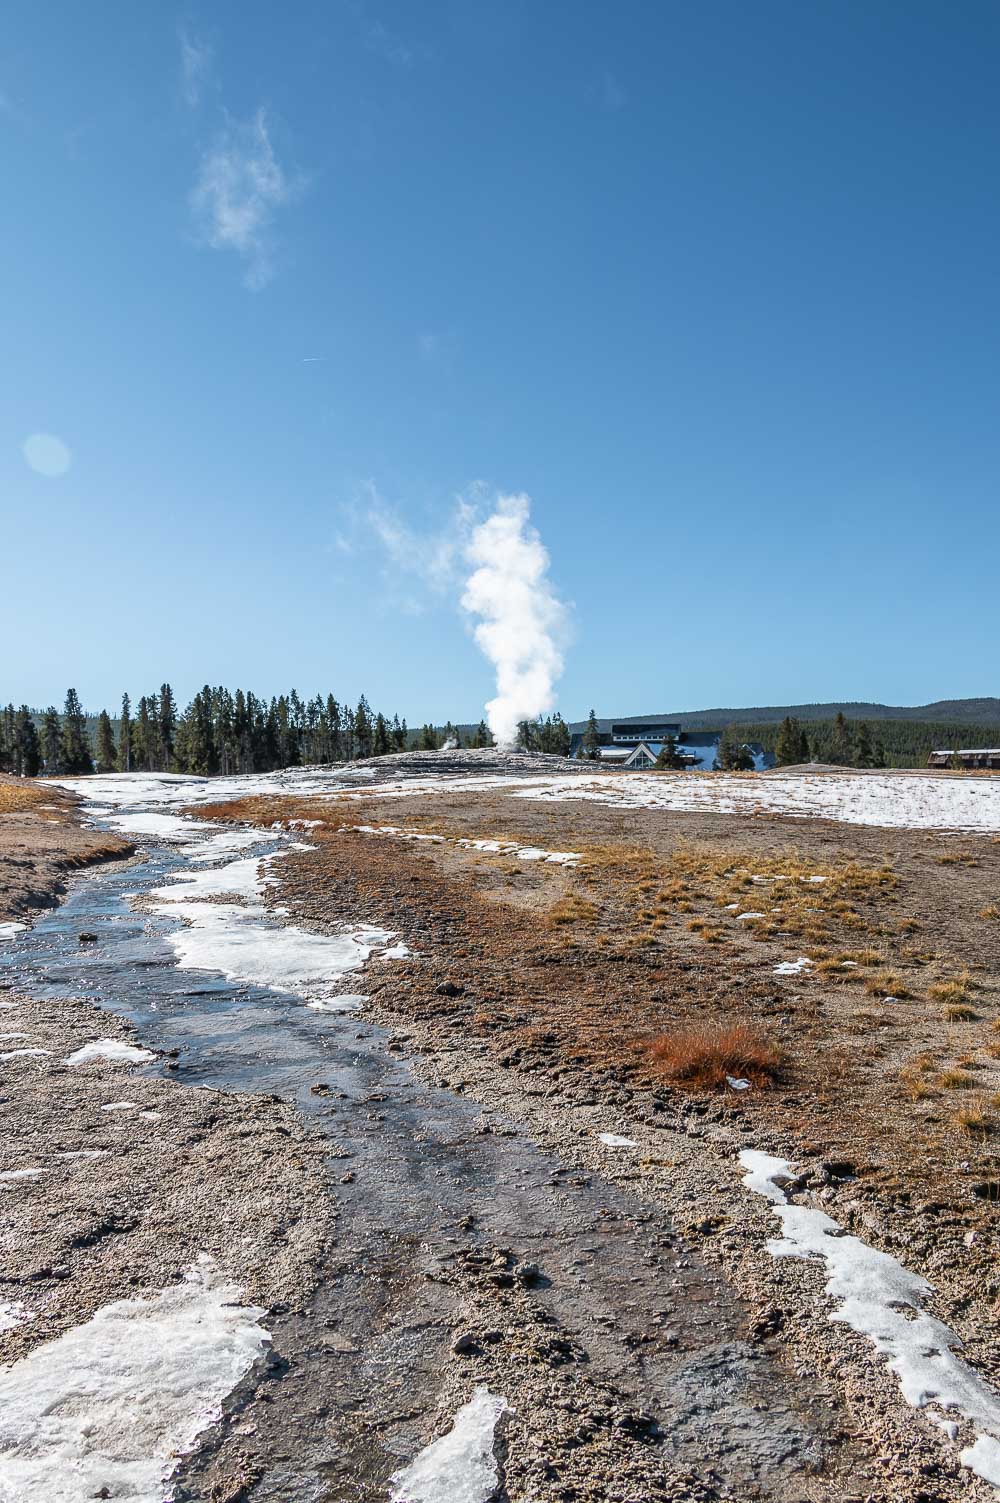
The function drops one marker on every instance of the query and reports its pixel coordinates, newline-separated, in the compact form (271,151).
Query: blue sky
(714,284)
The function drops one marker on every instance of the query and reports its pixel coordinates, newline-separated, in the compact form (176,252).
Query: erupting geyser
(522,622)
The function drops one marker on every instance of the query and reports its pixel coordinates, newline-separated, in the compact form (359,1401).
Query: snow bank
(461,1466)
(110,1049)
(106,1409)
(11,930)
(13,1315)
(882,1300)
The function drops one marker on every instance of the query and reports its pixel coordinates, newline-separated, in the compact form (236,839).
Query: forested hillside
(960,713)
(860,743)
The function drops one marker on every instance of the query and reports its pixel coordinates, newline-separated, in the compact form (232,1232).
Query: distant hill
(942,712)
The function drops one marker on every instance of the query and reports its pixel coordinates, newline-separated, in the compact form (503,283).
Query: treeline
(219,732)
(858,743)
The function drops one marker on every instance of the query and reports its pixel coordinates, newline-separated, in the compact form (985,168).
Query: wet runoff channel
(423,1180)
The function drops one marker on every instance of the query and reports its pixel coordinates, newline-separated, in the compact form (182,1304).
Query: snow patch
(460,1467)
(110,1049)
(345,1002)
(111,1405)
(613,1140)
(882,1300)
(11,1174)
(13,1315)
(11,930)
(794,967)
(24,1053)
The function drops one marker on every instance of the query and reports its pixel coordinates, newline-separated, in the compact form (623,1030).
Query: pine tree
(788,747)
(362,729)
(428,738)
(483,736)
(591,744)
(125,736)
(841,751)
(669,757)
(527,736)
(380,739)
(75,751)
(27,755)
(733,755)
(167,719)
(399,735)
(52,741)
(107,755)
(863,754)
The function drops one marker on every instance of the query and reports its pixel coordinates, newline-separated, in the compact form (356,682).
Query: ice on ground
(24,1053)
(344,1002)
(750,914)
(12,929)
(120,1106)
(882,1300)
(237,879)
(83,1153)
(6,1037)
(983,1458)
(226,843)
(110,1049)
(794,967)
(13,1315)
(612,1140)
(8,1174)
(396,952)
(108,1408)
(737,1084)
(240,944)
(170,827)
(7,1005)
(460,1467)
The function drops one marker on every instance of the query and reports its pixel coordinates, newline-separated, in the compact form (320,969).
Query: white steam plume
(522,622)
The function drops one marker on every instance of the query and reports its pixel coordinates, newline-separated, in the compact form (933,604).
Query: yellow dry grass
(18,794)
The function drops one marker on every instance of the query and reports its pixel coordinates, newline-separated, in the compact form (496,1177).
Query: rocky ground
(540,989)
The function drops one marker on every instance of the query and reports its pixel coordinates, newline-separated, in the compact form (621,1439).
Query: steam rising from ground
(521,621)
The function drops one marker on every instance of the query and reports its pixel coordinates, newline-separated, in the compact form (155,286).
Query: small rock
(527,1273)
(86,938)
(464,1343)
(449,989)
(348,1178)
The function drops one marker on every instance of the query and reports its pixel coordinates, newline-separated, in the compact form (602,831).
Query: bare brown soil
(42,843)
(574,979)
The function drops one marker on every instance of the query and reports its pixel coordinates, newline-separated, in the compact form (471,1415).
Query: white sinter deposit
(882,1300)
(460,1467)
(107,1409)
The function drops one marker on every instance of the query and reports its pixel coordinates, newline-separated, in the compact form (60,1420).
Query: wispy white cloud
(434,555)
(612,93)
(197,66)
(240,185)
(387,44)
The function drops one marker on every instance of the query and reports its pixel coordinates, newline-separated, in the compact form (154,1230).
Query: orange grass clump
(704,1054)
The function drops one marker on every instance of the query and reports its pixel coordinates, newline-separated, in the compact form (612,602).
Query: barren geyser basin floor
(485,1135)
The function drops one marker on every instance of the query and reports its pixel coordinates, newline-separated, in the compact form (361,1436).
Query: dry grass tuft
(887,984)
(959,1012)
(571,909)
(703,1055)
(954,1080)
(971,1120)
(959,989)
(991,911)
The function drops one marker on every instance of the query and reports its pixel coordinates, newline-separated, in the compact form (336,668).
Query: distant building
(969,758)
(636,745)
